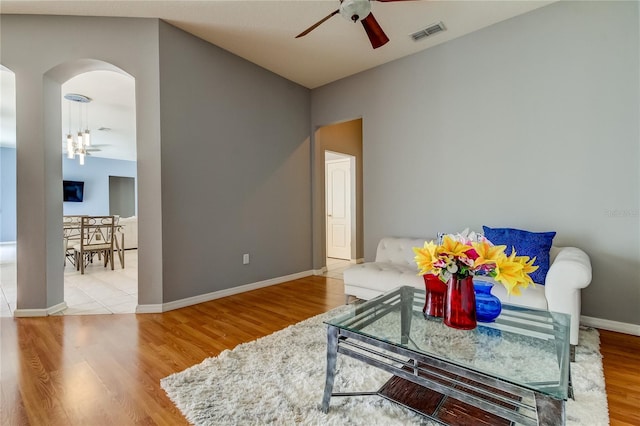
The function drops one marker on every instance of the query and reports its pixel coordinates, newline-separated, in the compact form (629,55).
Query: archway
(108,111)
(40,283)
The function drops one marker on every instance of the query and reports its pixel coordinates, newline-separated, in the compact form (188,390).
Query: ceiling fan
(357,10)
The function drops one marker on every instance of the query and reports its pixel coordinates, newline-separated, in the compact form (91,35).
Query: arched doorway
(108,111)
(40,281)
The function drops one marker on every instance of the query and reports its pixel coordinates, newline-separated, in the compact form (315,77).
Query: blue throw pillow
(526,243)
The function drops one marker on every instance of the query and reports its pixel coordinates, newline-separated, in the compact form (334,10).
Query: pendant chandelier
(77,144)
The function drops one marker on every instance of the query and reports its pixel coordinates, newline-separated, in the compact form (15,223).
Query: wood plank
(106,369)
(621,362)
(437,405)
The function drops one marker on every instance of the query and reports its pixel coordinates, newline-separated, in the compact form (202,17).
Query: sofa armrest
(569,273)
(571,269)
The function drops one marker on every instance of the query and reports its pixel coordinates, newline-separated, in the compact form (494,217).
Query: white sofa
(130,230)
(394,266)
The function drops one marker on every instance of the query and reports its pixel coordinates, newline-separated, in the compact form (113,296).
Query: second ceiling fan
(357,10)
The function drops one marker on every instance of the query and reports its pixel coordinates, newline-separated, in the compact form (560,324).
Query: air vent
(429,31)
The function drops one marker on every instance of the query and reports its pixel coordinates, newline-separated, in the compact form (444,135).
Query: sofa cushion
(399,251)
(130,230)
(382,276)
(526,243)
(530,297)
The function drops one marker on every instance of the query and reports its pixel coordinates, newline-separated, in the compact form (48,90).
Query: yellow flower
(453,247)
(509,272)
(425,257)
(527,268)
(487,254)
(475,258)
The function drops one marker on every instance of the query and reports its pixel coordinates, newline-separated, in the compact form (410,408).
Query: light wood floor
(106,369)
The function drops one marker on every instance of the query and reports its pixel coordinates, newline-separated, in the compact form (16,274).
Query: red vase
(460,304)
(434,299)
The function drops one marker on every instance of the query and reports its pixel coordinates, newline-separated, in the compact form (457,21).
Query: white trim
(189,301)
(621,327)
(7,243)
(149,309)
(57,308)
(357,261)
(320,271)
(24,313)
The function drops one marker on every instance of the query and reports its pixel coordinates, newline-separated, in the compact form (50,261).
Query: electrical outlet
(245,259)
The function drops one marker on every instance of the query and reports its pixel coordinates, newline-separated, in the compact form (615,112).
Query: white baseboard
(189,301)
(24,313)
(620,327)
(357,261)
(320,271)
(149,309)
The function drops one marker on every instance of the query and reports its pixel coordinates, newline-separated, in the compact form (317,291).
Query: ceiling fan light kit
(354,11)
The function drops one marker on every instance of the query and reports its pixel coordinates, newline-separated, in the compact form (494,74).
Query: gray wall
(95,175)
(236,174)
(44,52)
(530,123)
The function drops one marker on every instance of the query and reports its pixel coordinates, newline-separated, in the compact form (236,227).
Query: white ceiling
(263,32)
(111,114)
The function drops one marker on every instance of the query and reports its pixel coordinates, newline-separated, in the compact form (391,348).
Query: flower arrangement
(460,256)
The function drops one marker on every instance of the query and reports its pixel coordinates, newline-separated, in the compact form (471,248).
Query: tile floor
(99,291)
(335,267)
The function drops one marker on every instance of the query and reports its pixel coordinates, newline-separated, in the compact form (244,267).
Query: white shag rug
(279,379)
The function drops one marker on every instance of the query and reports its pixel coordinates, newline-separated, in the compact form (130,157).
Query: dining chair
(97,235)
(71,236)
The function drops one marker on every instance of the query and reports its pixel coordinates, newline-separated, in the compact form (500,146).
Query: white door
(338,179)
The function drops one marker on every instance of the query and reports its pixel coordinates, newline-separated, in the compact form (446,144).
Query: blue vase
(488,306)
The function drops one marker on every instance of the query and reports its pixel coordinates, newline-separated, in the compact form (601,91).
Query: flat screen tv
(73,191)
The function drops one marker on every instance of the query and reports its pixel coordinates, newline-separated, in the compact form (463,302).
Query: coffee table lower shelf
(489,398)
(437,406)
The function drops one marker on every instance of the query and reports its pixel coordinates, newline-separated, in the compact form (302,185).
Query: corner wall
(236,169)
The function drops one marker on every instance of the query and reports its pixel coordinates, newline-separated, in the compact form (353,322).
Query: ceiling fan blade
(377,37)
(317,24)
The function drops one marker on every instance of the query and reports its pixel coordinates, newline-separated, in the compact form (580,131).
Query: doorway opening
(109,176)
(339,205)
(122,196)
(338,166)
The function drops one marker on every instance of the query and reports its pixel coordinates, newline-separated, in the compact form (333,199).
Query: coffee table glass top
(524,346)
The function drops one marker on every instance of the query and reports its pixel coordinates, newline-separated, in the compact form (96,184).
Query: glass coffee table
(511,371)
